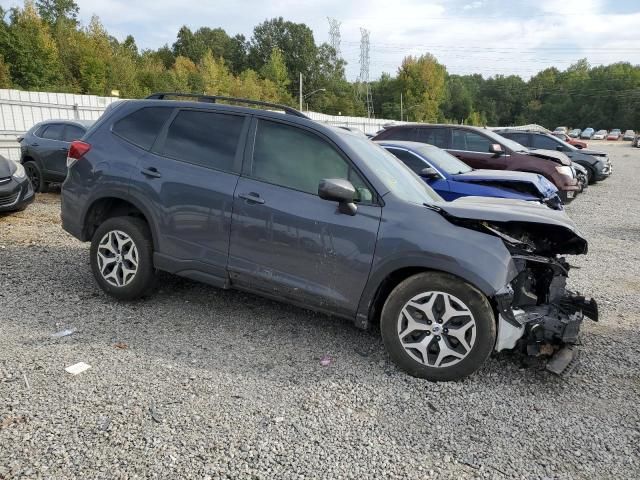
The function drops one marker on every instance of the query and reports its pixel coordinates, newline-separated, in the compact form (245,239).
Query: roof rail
(215,98)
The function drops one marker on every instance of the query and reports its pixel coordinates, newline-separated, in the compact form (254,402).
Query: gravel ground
(195,382)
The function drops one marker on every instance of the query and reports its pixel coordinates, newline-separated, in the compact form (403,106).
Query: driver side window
(295,158)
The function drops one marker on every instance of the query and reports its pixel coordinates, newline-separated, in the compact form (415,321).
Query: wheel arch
(381,285)
(109,206)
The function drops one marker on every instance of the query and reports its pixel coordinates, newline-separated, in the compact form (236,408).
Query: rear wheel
(438,327)
(34,172)
(122,257)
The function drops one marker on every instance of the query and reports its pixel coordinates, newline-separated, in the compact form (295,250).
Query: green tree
(55,11)
(216,78)
(5,75)
(295,41)
(423,81)
(30,51)
(275,71)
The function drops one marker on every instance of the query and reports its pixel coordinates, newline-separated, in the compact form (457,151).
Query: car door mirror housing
(341,191)
(430,173)
(496,149)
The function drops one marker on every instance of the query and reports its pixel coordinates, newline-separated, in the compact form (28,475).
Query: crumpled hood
(554,155)
(551,231)
(6,167)
(544,187)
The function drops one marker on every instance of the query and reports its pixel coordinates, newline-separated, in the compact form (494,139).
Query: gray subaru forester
(274,203)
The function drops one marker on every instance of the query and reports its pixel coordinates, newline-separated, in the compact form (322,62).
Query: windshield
(397,177)
(443,160)
(510,144)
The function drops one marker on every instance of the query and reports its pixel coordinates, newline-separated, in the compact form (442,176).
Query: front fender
(427,241)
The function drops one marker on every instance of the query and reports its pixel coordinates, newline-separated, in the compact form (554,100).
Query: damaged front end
(537,314)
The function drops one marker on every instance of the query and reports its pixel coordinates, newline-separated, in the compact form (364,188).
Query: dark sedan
(596,163)
(44,150)
(15,189)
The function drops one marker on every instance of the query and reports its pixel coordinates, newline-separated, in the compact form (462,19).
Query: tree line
(44,47)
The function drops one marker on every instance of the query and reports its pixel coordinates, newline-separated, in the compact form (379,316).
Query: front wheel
(122,257)
(438,327)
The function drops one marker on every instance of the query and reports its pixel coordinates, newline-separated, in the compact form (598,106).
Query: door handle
(251,198)
(35,144)
(64,149)
(151,172)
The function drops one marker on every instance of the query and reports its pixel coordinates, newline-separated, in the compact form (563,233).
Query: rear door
(189,177)
(438,136)
(285,240)
(52,150)
(473,149)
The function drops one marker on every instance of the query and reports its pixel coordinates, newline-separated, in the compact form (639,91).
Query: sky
(489,37)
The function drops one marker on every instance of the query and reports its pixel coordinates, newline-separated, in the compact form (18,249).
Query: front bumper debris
(543,329)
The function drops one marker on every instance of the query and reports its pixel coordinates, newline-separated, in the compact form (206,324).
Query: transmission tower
(334,35)
(363,79)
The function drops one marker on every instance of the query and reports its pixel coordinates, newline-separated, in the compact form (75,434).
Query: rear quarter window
(142,126)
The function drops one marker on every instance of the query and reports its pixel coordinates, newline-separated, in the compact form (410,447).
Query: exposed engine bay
(536,312)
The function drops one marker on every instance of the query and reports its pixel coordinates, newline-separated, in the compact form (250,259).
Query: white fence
(367,125)
(20,110)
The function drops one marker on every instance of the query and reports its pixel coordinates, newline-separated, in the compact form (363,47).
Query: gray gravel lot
(195,382)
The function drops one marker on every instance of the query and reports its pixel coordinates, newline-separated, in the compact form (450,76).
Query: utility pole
(300,91)
(400,106)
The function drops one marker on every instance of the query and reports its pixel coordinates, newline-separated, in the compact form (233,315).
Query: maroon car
(483,148)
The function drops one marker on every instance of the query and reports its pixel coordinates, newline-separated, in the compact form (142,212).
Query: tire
(429,290)
(36,177)
(591,176)
(116,245)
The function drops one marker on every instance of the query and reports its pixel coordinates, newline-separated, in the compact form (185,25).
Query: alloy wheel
(117,258)
(436,329)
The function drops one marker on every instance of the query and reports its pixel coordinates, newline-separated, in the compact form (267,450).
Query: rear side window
(546,143)
(469,141)
(142,126)
(521,138)
(297,159)
(53,132)
(72,132)
(397,134)
(204,138)
(433,136)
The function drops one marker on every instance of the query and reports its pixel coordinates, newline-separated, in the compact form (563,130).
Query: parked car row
(591,134)
(390,233)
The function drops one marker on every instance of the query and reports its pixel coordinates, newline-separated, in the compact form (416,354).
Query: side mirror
(341,191)
(496,149)
(430,173)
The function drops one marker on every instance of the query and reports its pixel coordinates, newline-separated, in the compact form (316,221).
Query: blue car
(452,178)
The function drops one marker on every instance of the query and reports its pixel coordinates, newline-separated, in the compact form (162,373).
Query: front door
(285,240)
(474,150)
